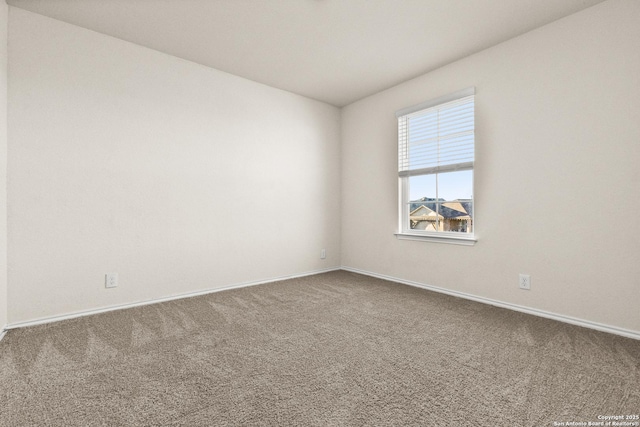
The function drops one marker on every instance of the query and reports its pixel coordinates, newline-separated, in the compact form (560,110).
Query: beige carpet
(327,350)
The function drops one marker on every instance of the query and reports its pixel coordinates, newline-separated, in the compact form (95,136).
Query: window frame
(405,232)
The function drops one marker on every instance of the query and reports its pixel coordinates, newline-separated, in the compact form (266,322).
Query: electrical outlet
(323,254)
(111,280)
(525,282)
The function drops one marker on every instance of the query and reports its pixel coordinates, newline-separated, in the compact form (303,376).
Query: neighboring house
(431,215)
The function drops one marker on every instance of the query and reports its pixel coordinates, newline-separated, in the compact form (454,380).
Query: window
(436,151)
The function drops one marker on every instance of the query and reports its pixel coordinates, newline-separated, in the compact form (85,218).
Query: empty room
(320,213)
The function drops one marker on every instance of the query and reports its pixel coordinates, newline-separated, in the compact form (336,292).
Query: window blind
(438,138)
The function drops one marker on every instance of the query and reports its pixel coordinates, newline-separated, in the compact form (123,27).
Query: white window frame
(405,232)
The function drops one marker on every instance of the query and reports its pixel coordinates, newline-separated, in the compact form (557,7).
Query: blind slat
(435,169)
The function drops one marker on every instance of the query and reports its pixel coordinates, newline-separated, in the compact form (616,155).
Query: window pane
(422,186)
(455,193)
(422,203)
(455,185)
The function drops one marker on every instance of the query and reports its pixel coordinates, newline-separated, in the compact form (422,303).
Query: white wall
(178,177)
(4,13)
(183,178)
(557,172)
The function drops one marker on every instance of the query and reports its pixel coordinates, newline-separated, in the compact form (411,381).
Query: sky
(451,185)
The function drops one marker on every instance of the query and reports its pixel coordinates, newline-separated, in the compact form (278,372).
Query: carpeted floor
(327,350)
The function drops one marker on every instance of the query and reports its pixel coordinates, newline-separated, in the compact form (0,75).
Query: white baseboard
(83,313)
(534,311)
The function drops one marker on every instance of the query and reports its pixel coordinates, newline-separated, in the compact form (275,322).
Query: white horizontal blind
(437,139)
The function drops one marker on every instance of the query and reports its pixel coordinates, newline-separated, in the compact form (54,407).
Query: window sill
(453,240)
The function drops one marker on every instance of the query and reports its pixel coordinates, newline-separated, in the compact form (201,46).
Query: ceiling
(336,51)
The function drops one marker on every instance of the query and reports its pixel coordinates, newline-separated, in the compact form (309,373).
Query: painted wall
(4,14)
(179,177)
(557,172)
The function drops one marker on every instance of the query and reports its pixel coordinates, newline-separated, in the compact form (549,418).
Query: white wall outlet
(111,280)
(323,254)
(525,282)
